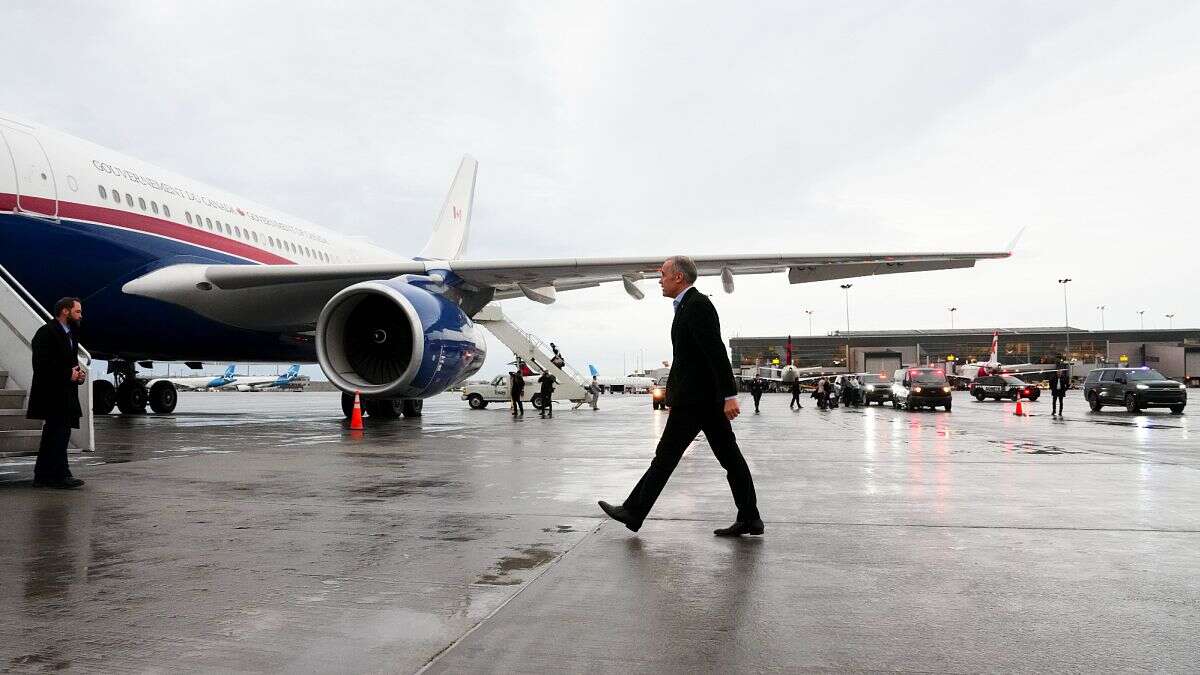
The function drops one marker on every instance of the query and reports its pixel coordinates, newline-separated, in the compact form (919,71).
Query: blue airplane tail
(230,371)
(593,370)
(291,373)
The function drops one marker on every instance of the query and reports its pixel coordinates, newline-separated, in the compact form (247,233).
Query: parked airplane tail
(995,357)
(593,371)
(229,372)
(292,372)
(453,224)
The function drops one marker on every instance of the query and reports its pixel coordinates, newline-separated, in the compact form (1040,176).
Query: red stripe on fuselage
(146,224)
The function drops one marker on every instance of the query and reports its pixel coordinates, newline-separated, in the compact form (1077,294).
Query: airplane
(627,383)
(242,383)
(975,369)
(172,269)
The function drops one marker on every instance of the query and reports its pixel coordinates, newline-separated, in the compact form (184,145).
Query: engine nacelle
(398,338)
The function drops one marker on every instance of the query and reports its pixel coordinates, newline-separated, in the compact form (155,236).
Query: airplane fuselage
(78,219)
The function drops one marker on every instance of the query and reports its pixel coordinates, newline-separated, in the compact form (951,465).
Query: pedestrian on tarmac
(594,390)
(516,389)
(821,393)
(547,381)
(1060,382)
(54,393)
(795,395)
(702,396)
(757,387)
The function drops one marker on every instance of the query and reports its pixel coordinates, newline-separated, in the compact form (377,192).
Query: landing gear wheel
(382,408)
(347,404)
(1176,410)
(476,402)
(104,397)
(948,406)
(132,399)
(163,398)
(1131,404)
(1094,403)
(537,401)
(412,407)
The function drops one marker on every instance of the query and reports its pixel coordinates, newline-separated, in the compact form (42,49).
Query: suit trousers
(51,465)
(683,424)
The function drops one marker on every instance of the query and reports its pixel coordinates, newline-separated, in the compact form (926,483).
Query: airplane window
(154,207)
(237,231)
(116,196)
(228,230)
(255,235)
(166,211)
(188,216)
(142,203)
(129,199)
(270,241)
(207,223)
(103,192)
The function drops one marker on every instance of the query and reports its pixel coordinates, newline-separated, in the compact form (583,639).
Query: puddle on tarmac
(398,487)
(558,529)
(1031,448)
(525,559)
(1117,423)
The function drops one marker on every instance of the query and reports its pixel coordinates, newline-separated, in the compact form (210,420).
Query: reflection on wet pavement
(251,532)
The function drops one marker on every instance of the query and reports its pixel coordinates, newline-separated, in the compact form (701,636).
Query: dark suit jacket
(547,381)
(53,396)
(700,370)
(518,385)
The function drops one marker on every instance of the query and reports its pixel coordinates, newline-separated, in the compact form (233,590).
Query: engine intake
(397,339)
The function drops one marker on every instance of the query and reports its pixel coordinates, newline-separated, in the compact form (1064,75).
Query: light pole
(952,311)
(846,288)
(1101,308)
(1170,320)
(809,312)
(1066,316)
(1142,318)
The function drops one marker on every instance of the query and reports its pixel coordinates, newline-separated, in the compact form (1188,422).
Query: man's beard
(73,323)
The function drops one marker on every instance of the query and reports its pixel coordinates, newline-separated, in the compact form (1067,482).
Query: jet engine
(397,338)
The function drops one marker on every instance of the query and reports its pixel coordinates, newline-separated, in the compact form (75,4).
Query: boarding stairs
(20,317)
(572,385)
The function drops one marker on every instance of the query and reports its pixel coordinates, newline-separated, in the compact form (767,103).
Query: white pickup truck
(478,396)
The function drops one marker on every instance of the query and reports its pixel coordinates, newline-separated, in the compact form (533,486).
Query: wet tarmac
(253,533)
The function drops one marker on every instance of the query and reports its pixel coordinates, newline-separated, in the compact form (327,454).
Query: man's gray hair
(685,266)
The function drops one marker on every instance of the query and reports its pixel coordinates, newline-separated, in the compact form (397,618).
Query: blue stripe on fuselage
(91,261)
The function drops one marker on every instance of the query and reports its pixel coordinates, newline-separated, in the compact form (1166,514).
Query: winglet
(453,225)
(1012,245)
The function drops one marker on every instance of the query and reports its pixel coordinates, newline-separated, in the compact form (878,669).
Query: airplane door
(37,192)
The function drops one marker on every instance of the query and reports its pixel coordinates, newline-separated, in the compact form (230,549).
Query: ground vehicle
(1003,386)
(658,396)
(478,396)
(915,388)
(1134,388)
(877,388)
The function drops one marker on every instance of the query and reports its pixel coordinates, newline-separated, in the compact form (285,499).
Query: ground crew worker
(795,395)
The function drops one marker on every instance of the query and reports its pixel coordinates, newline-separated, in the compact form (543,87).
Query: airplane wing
(292,296)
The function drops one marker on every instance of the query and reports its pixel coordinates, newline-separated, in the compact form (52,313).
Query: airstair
(20,317)
(530,349)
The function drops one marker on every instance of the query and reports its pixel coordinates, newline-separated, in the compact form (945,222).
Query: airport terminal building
(1174,352)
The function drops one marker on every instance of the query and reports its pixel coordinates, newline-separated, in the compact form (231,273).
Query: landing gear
(163,397)
(104,397)
(132,398)
(383,408)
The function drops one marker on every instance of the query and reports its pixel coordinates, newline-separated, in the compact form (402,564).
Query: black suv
(1003,386)
(1134,388)
(877,388)
(916,388)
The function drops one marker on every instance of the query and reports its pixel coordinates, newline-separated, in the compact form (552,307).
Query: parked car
(1134,388)
(1003,386)
(915,388)
(877,388)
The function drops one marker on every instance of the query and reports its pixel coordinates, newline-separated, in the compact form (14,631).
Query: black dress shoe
(620,514)
(66,484)
(741,527)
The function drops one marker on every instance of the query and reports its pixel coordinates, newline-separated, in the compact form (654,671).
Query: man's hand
(732,409)
(77,375)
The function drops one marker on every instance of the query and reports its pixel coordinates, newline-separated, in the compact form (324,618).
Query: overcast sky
(642,128)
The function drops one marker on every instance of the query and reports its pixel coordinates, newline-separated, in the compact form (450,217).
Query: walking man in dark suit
(702,397)
(54,396)
(517,389)
(547,381)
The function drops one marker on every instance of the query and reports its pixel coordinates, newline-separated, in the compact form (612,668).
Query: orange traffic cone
(356,416)
(1019,411)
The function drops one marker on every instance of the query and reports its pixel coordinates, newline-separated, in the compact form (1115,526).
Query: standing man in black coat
(1060,382)
(547,381)
(54,395)
(757,387)
(795,389)
(517,390)
(702,397)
